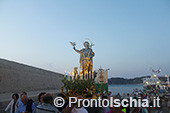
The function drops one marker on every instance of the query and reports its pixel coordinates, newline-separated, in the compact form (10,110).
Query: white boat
(153,82)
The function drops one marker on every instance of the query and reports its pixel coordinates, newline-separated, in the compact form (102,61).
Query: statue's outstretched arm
(78,51)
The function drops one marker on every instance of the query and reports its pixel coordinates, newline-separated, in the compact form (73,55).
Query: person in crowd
(115,109)
(27,105)
(141,109)
(134,109)
(79,109)
(92,109)
(150,100)
(47,105)
(109,93)
(40,97)
(12,104)
(118,96)
(75,108)
(19,100)
(68,109)
(105,109)
(63,96)
(128,98)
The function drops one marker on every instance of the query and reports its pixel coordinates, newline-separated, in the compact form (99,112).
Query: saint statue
(86,57)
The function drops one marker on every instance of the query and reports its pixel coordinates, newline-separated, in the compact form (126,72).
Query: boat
(154,82)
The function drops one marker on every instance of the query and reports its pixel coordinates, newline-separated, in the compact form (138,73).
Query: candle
(64,74)
(68,76)
(93,74)
(81,76)
(73,76)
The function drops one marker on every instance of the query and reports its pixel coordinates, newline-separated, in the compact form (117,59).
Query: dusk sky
(130,36)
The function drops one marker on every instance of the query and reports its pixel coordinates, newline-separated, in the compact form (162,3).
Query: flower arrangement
(78,86)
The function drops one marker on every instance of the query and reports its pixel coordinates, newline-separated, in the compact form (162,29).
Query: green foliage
(78,86)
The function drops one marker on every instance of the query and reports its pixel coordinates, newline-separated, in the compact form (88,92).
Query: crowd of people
(23,104)
(27,105)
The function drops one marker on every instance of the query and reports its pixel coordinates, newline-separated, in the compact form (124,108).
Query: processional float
(83,82)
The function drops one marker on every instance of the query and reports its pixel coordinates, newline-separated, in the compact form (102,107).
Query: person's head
(149,96)
(109,93)
(86,44)
(61,95)
(48,98)
(15,96)
(140,96)
(40,97)
(104,97)
(23,93)
(24,99)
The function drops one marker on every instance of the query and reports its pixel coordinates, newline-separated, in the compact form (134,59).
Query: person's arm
(17,103)
(9,105)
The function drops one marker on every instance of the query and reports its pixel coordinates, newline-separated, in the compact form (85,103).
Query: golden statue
(86,57)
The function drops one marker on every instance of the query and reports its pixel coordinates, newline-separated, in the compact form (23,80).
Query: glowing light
(154,75)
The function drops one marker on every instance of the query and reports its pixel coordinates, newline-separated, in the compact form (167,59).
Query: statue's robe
(86,61)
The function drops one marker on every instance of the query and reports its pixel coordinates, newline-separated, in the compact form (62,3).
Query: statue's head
(86,44)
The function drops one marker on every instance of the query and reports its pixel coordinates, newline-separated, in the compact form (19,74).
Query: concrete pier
(16,77)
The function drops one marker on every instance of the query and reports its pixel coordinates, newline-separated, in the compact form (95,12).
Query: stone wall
(16,77)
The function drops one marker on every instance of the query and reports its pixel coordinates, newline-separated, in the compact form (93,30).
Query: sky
(130,36)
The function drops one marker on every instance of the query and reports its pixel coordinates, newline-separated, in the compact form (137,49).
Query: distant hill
(137,80)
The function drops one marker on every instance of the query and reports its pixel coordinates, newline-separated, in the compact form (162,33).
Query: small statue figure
(75,71)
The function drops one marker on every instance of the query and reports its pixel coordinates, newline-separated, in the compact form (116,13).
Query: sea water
(124,88)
